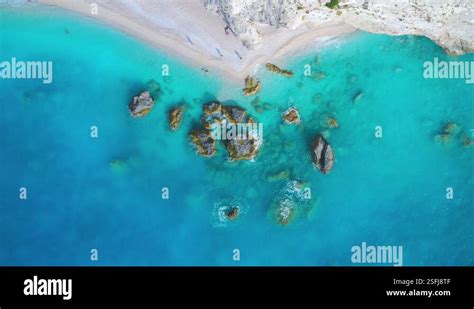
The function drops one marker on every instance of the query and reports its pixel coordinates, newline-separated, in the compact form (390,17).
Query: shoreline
(208,46)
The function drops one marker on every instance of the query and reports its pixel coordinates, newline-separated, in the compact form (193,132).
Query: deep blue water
(382,191)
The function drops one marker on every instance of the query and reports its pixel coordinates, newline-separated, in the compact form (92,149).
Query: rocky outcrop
(252,86)
(323,156)
(447,22)
(291,116)
(175,116)
(141,105)
(275,69)
(203,141)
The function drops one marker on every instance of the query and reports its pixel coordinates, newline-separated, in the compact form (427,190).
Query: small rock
(232,213)
(291,116)
(275,69)
(330,122)
(175,117)
(252,86)
(141,105)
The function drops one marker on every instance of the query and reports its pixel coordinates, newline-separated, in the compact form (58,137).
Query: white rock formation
(450,23)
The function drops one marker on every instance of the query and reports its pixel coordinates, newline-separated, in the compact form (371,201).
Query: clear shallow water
(388,191)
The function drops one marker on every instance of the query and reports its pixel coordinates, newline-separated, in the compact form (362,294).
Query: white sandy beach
(185,28)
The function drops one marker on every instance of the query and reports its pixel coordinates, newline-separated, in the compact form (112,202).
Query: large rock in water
(141,105)
(323,156)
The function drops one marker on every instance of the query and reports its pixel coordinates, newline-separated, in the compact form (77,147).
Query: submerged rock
(450,130)
(358,97)
(154,88)
(291,116)
(141,105)
(243,149)
(203,141)
(252,86)
(281,175)
(175,117)
(330,122)
(234,114)
(275,69)
(290,202)
(285,211)
(118,165)
(323,156)
(467,141)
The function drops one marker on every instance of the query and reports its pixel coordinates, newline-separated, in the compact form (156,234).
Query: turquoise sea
(382,191)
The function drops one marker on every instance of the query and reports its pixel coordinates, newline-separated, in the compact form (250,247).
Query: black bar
(239,285)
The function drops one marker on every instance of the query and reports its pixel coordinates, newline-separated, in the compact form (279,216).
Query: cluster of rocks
(275,69)
(218,117)
(252,86)
(452,131)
